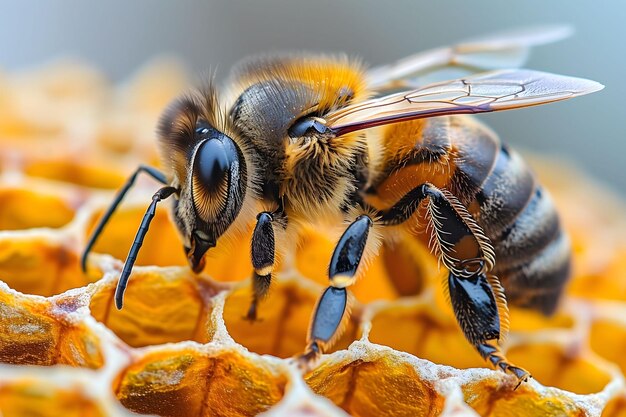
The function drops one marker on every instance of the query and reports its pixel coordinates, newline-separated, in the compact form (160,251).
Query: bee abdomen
(532,251)
(533,255)
(504,193)
(534,228)
(538,282)
(519,217)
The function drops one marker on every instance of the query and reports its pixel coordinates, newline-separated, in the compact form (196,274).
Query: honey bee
(308,138)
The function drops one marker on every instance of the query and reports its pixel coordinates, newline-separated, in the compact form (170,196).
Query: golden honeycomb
(181,346)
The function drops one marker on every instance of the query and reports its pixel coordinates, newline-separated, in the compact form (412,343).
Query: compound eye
(217,183)
(307,125)
(213,161)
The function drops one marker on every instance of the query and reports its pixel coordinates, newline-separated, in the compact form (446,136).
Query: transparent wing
(486,92)
(497,51)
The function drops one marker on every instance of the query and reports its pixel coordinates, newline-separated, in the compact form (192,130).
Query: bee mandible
(309,138)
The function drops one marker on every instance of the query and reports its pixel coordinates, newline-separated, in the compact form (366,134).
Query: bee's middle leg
(332,308)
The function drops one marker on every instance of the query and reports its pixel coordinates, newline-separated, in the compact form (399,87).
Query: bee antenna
(162,194)
(154,173)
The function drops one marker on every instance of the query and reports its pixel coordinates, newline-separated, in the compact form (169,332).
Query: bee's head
(208,168)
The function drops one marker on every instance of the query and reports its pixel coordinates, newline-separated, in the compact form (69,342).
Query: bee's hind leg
(477,298)
(331,310)
(476,311)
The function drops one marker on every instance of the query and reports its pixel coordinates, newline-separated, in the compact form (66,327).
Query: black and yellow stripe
(500,192)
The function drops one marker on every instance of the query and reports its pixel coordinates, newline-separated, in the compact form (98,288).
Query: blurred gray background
(118,36)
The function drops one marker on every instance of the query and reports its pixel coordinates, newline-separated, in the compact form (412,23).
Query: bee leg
(161,194)
(477,299)
(477,312)
(153,172)
(263,249)
(332,308)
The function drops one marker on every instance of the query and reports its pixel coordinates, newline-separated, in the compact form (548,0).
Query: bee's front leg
(332,308)
(263,253)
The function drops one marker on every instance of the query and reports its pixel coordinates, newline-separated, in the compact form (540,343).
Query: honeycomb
(181,345)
